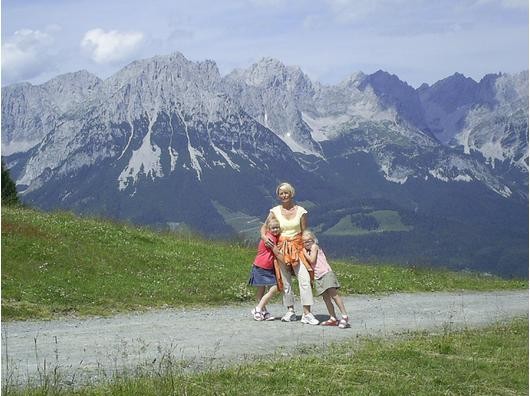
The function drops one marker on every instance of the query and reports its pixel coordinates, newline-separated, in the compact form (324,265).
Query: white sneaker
(309,319)
(289,316)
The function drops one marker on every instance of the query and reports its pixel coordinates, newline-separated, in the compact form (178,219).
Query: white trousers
(304,284)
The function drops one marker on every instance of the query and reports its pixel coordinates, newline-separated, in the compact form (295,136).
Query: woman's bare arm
(303,222)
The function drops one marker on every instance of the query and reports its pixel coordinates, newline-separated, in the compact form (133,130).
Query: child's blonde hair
(287,187)
(310,234)
(272,220)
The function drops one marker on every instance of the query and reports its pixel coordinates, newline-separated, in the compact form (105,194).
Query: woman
(293,221)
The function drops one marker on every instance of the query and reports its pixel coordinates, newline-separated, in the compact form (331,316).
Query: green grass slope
(58,264)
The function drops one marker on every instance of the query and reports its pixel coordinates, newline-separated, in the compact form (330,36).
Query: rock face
(275,95)
(170,142)
(30,112)
(499,129)
(489,117)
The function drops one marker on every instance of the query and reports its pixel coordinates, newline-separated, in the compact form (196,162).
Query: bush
(9,188)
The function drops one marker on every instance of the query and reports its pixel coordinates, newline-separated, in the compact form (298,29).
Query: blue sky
(418,40)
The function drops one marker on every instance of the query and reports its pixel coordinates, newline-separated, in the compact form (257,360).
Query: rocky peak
(353,81)
(69,89)
(164,83)
(396,94)
(166,70)
(486,90)
(388,86)
(81,79)
(270,73)
(29,112)
(512,88)
(451,93)
(456,81)
(266,72)
(275,95)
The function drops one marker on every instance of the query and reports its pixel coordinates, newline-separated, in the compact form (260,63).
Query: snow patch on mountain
(463,139)
(436,173)
(393,167)
(493,150)
(145,160)
(463,178)
(173,155)
(504,191)
(395,174)
(195,156)
(226,158)
(440,175)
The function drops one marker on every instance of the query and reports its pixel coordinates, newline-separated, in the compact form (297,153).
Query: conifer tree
(9,188)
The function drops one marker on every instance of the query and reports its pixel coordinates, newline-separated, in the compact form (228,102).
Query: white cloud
(27,54)
(112,46)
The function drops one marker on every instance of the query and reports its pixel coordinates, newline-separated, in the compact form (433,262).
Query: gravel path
(83,350)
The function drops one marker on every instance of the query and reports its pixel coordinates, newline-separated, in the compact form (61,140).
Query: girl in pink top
(326,282)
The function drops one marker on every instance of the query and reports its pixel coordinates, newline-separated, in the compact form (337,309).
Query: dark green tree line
(9,188)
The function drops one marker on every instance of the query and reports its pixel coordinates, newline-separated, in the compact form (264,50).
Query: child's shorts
(327,281)
(262,277)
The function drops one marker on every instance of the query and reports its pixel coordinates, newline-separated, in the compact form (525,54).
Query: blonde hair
(310,234)
(272,220)
(286,186)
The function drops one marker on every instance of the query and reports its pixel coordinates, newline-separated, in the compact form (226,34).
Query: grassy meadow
(56,264)
(388,220)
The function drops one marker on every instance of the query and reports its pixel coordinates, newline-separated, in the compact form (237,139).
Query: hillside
(61,264)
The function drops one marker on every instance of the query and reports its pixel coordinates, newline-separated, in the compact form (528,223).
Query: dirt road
(91,349)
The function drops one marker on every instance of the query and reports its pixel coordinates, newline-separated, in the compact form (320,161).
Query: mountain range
(436,175)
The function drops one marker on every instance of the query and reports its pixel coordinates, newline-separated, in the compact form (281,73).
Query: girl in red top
(263,272)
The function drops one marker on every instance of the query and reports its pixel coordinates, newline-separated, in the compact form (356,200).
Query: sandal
(257,315)
(344,323)
(267,316)
(330,322)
